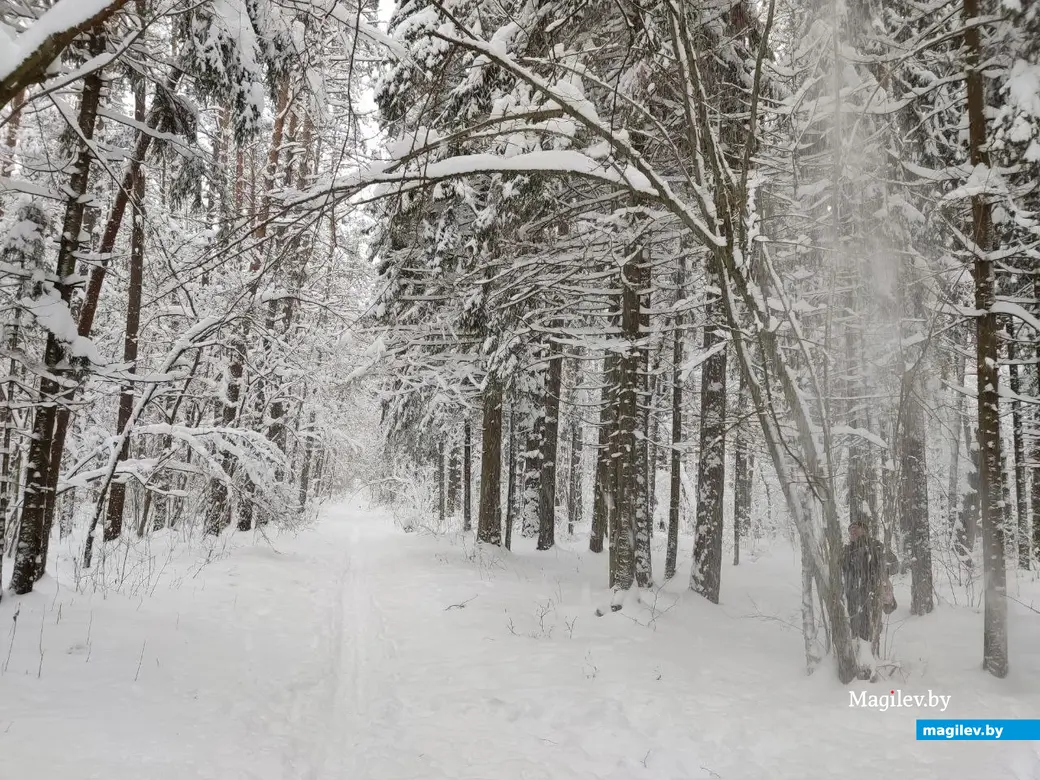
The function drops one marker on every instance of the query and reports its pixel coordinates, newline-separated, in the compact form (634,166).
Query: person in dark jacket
(865,569)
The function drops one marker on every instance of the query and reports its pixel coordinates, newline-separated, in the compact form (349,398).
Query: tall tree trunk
(623,530)
(675,496)
(511,476)
(467,476)
(117,493)
(489,520)
(26,253)
(1035,486)
(706,577)
(29,561)
(643,520)
(743,468)
(953,483)
(913,500)
(575,488)
(603,497)
(532,462)
(995,648)
(441,487)
(1018,433)
(105,249)
(911,440)
(454,477)
(549,448)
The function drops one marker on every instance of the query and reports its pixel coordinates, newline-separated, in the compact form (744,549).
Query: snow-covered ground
(357,652)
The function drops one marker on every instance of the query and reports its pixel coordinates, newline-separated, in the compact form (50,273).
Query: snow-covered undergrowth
(355,651)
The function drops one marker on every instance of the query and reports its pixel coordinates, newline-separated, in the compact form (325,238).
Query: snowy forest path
(353,651)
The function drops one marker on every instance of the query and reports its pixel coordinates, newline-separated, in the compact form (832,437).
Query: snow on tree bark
(743,470)
(1020,465)
(54,386)
(706,575)
(550,438)
(995,650)
(467,476)
(489,519)
(604,499)
(117,493)
(675,483)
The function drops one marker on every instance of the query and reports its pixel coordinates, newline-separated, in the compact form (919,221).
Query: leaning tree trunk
(14,122)
(995,639)
(489,519)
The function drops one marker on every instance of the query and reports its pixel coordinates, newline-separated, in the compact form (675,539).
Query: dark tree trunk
(511,476)
(743,468)
(675,495)
(467,477)
(643,520)
(550,440)
(441,487)
(1018,428)
(604,499)
(706,577)
(489,520)
(454,477)
(1034,499)
(30,563)
(913,503)
(969,516)
(623,529)
(995,650)
(532,466)
(117,493)
(575,488)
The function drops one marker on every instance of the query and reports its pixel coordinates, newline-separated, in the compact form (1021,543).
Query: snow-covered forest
(663,307)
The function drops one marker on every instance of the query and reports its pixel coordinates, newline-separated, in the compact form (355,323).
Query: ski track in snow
(357,652)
